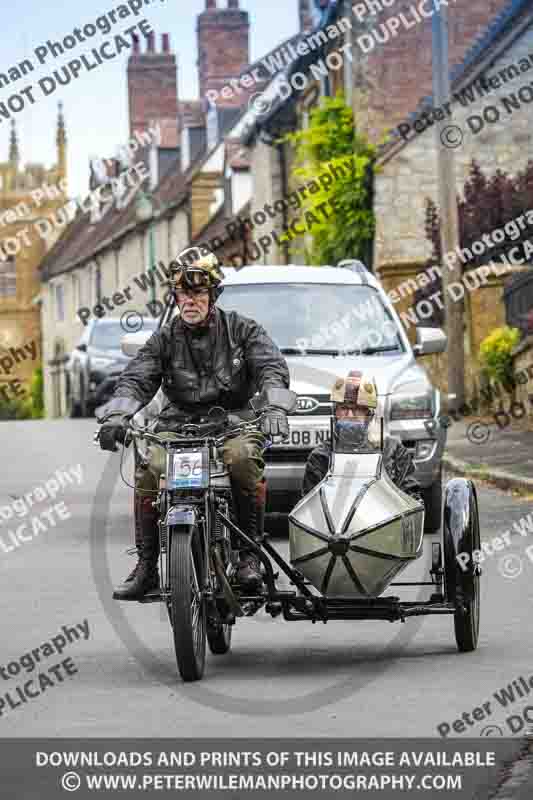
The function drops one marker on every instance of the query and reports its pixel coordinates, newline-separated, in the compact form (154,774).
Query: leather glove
(275,423)
(111,432)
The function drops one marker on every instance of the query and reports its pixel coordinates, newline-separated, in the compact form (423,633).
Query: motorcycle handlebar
(135,433)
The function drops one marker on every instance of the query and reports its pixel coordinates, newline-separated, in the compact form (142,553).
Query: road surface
(117,675)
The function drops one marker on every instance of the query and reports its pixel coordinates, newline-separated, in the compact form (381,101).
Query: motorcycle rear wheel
(187,579)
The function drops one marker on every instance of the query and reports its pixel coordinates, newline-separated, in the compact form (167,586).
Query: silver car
(328,321)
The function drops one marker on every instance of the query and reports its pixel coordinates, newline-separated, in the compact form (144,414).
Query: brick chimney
(223,47)
(306,22)
(153,89)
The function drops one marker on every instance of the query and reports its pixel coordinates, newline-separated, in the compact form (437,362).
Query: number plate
(306,435)
(188,469)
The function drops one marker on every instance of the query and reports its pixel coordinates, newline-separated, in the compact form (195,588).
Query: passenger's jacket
(397,461)
(223,364)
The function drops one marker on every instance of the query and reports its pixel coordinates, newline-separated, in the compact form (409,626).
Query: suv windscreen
(317,317)
(109,335)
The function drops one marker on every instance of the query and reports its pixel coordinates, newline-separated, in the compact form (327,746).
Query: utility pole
(448,207)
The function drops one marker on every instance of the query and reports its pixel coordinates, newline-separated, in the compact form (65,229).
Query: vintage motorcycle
(349,538)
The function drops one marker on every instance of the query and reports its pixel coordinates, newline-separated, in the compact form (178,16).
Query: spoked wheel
(461,538)
(187,576)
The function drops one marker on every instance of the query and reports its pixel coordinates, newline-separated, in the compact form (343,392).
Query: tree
(489,203)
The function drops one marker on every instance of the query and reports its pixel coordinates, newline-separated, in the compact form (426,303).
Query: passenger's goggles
(343,410)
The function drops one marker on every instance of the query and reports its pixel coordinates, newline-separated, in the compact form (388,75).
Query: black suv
(95,364)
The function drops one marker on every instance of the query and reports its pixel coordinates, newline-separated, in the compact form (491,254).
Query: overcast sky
(95,105)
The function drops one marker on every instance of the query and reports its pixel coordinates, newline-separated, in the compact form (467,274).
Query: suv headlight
(415,405)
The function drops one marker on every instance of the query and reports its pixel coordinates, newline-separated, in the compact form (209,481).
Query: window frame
(8,277)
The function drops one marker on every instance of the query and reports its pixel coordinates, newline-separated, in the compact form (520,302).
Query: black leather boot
(138,545)
(145,576)
(261,508)
(249,569)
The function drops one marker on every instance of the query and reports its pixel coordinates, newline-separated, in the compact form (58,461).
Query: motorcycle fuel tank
(355,531)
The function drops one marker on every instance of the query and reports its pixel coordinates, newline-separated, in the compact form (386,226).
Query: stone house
(190,177)
(329,54)
(309,65)
(29,199)
(494,78)
(392,55)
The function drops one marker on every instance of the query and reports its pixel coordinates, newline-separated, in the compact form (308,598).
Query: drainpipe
(285,194)
(98,280)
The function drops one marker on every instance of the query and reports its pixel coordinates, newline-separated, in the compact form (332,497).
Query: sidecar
(351,537)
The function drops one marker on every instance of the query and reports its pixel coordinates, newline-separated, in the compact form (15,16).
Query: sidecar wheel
(461,538)
(219,638)
(187,578)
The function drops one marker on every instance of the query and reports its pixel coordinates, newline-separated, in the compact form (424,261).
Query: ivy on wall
(345,226)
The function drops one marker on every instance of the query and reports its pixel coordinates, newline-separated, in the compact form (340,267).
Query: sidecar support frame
(304,605)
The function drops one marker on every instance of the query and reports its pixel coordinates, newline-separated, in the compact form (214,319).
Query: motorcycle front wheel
(187,578)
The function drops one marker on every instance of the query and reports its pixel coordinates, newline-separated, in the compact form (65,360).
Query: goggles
(344,409)
(190,278)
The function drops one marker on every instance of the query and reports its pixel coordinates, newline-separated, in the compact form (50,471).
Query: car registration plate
(306,437)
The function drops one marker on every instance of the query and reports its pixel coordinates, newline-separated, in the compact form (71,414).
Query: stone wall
(484,311)
(523,365)
(267,188)
(19,315)
(408,177)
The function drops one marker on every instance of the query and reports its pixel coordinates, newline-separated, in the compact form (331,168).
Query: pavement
(479,448)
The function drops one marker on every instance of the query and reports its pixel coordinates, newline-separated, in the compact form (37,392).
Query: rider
(203,358)
(355,402)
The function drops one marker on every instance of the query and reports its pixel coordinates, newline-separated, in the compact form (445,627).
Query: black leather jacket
(223,364)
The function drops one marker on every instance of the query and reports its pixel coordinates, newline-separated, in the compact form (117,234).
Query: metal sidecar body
(355,531)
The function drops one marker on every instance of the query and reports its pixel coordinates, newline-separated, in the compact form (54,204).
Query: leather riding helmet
(196,271)
(355,403)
